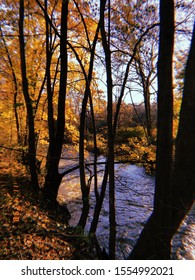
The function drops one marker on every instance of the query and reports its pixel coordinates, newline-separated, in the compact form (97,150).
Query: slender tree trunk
(148,112)
(103,188)
(51,148)
(145,83)
(154,241)
(84,187)
(95,149)
(28,101)
(49,87)
(19,137)
(99,202)
(146,93)
(106,46)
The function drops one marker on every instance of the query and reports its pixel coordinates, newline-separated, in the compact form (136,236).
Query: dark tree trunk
(53,178)
(107,51)
(165,110)
(85,189)
(100,197)
(28,101)
(51,173)
(51,149)
(99,202)
(147,105)
(183,193)
(154,241)
(19,136)
(146,92)
(148,112)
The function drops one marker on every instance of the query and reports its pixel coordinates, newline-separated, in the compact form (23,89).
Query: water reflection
(134,200)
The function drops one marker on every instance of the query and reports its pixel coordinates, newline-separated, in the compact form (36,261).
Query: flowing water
(134,200)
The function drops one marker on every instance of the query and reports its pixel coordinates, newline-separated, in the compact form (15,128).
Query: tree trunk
(51,173)
(51,149)
(53,178)
(183,193)
(154,241)
(19,136)
(148,113)
(106,46)
(165,108)
(99,202)
(28,101)
(84,187)
(146,92)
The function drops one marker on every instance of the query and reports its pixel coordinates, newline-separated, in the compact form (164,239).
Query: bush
(123,135)
(71,135)
(101,145)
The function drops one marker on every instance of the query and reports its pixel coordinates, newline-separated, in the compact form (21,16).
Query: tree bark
(107,51)
(154,241)
(183,193)
(50,117)
(84,187)
(146,93)
(53,178)
(28,101)
(99,202)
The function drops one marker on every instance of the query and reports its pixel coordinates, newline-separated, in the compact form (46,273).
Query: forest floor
(30,228)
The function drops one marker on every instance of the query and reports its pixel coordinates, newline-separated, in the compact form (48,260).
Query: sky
(182,44)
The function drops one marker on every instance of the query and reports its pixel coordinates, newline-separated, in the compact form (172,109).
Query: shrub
(123,135)
(101,145)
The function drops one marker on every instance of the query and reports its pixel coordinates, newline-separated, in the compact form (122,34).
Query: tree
(183,193)
(136,28)
(85,188)
(107,51)
(145,68)
(154,241)
(16,89)
(53,178)
(60,44)
(34,41)
(174,193)
(28,101)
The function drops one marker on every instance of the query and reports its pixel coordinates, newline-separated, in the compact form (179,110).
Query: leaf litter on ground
(30,228)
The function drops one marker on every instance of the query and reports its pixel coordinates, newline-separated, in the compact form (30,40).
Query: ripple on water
(134,200)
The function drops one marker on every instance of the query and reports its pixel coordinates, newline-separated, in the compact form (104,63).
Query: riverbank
(132,151)
(30,227)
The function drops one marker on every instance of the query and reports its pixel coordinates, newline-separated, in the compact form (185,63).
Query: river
(134,200)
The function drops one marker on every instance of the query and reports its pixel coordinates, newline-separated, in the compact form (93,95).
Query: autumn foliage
(79,74)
